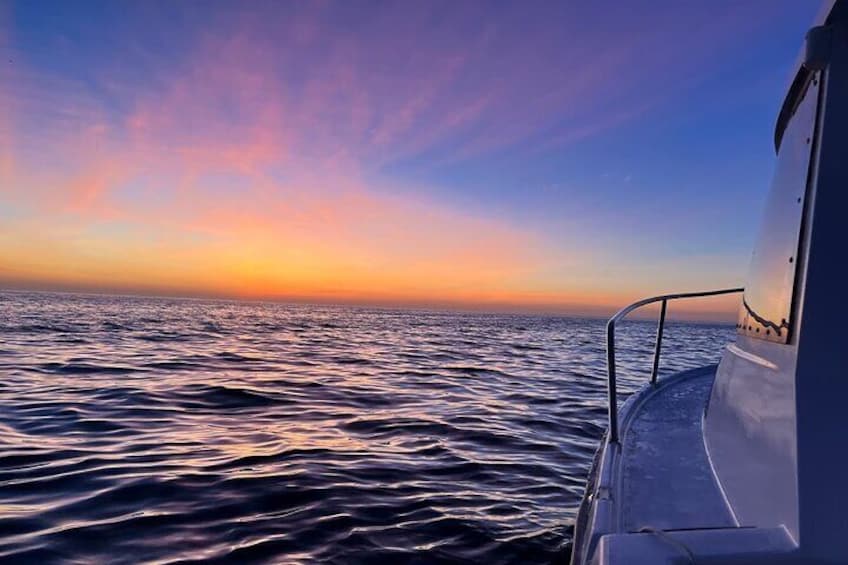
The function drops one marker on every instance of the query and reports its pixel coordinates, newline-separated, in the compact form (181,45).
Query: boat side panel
(584,514)
(750,426)
(750,433)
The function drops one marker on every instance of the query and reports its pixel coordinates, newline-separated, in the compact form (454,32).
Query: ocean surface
(167,430)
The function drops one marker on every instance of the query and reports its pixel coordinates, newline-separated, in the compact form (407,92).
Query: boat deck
(666,479)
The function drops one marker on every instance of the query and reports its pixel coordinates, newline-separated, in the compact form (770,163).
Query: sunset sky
(564,156)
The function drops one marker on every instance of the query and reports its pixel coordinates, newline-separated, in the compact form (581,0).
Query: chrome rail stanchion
(611,374)
(658,348)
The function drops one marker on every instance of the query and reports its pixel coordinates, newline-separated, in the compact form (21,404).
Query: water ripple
(160,430)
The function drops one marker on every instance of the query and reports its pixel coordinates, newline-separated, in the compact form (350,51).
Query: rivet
(791,259)
(768,332)
(808,140)
(799,199)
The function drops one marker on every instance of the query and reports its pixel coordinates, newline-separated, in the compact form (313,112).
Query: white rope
(662,534)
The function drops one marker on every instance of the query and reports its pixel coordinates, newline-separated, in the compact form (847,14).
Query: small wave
(236,357)
(370,426)
(528,347)
(350,360)
(166,337)
(84,369)
(225,397)
(95,425)
(212,327)
(174,365)
(228,432)
(28,329)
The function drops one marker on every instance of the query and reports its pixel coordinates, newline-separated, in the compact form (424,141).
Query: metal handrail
(613,400)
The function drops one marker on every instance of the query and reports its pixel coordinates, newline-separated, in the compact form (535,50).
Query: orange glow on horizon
(213,179)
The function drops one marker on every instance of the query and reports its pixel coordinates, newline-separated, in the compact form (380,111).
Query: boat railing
(621,314)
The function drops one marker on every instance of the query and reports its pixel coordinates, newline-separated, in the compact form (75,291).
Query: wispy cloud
(259,145)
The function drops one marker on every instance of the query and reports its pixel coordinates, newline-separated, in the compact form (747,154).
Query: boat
(746,461)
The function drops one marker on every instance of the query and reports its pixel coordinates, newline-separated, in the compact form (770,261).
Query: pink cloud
(300,196)
(304,113)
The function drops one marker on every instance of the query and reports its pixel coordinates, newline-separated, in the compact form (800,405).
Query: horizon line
(459,307)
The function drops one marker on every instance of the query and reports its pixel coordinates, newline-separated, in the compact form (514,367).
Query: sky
(564,157)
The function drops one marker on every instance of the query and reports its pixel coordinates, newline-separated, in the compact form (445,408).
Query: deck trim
(715,474)
(753,358)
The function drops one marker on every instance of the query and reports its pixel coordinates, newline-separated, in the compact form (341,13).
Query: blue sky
(556,156)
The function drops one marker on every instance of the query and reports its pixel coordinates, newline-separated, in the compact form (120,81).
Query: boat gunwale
(603,487)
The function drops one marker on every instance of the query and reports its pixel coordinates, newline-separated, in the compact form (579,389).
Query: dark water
(157,430)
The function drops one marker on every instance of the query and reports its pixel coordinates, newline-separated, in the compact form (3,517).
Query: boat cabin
(747,461)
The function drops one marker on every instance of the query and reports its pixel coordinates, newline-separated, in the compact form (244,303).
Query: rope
(663,535)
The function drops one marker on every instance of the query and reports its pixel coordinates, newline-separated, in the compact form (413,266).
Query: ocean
(156,430)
